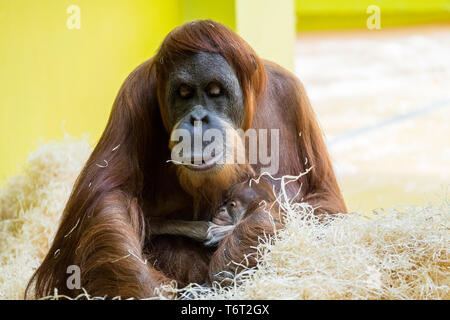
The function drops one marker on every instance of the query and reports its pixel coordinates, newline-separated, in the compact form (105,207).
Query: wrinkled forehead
(202,66)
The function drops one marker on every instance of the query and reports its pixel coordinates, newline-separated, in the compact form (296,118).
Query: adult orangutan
(203,73)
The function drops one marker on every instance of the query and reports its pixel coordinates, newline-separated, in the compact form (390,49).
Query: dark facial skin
(203,90)
(204,87)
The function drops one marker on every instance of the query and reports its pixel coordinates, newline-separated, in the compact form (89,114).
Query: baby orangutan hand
(222,224)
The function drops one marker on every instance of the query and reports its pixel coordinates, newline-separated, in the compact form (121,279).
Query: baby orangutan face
(240,201)
(225,219)
(236,203)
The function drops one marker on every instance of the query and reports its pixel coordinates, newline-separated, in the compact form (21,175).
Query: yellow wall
(272,34)
(50,74)
(350,14)
(223,11)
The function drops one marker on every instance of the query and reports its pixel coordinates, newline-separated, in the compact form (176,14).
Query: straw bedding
(400,253)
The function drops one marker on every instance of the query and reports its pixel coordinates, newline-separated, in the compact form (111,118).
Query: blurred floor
(383,101)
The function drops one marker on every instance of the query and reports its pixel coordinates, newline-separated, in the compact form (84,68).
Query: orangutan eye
(214,90)
(232,204)
(185,91)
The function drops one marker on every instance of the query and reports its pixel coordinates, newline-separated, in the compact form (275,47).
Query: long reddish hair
(124,165)
(103,227)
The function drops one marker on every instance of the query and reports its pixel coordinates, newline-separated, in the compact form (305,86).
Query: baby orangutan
(238,202)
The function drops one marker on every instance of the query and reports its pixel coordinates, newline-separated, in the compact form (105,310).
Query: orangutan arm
(239,246)
(196,230)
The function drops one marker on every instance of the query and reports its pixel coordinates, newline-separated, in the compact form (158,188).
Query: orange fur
(109,205)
